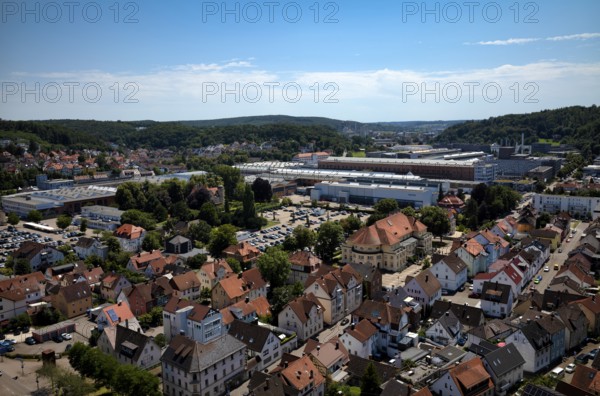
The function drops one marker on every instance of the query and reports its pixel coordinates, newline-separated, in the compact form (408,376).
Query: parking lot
(288,218)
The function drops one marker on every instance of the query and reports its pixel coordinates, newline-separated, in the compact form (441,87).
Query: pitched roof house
(303,315)
(129,346)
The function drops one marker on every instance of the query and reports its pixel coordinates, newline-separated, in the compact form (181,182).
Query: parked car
(30,341)
(570,368)
(66,336)
(546,269)
(57,338)
(582,358)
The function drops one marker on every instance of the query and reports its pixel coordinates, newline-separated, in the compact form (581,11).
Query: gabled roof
(185,281)
(76,292)
(29,249)
(25,283)
(129,231)
(117,313)
(141,260)
(236,286)
(255,337)
(387,231)
(361,331)
(427,281)
(455,263)
(193,357)
(243,249)
(497,292)
(491,330)
(591,303)
(337,277)
(467,315)
(301,373)
(175,304)
(302,306)
(211,268)
(378,312)
(504,359)
(130,339)
(468,374)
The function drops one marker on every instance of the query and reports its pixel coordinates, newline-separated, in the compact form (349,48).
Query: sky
(365,61)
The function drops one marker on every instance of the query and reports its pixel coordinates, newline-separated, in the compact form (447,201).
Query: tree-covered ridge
(578,126)
(48,134)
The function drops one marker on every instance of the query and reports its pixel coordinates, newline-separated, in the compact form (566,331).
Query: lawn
(552,142)
(358,154)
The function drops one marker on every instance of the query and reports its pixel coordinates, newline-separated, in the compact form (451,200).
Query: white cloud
(581,36)
(508,42)
(230,88)
(513,41)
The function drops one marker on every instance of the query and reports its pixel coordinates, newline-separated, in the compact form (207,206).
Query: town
(354,263)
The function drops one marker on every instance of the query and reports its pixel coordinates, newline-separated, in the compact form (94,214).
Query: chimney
(426,278)
(447,313)
(240,275)
(311,374)
(139,329)
(267,383)
(119,303)
(285,364)
(337,345)
(247,299)
(352,327)
(127,323)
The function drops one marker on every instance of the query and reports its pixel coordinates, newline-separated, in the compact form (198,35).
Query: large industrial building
(369,194)
(54,202)
(469,170)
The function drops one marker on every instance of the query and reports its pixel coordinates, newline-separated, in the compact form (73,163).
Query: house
(139,262)
(505,365)
(38,255)
(425,288)
(451,201)
(129,346)
(130,237)
(590,307)
(552,325)
(391,323)
(329,357)
(548,235)
(86,247)
(339,292)
(395,387)
(142,297)
(494,245)
(303,315)
(360,339)
(470,317)
(246,311)
(212,272)
(12,303)
(196,321)
(578,272)
(576,325)
(585,381)
(303,263)
(492,331)
(445,330)
(474,256)
(388,243)
(117,314)
(534,344)
(262,345)
(496,299)
(186,286)
(235,288)
(302,377)
(357,366)
(192,368)
(93,277)
(73,300)
(467,378)
(243,252)
(372,279)
(31,286)
(450,271)
(111,286)
(163,266)
(178,245)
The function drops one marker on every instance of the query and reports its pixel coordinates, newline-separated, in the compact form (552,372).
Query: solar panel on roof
(112,315)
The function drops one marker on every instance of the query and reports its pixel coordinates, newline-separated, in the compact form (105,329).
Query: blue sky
(364,61)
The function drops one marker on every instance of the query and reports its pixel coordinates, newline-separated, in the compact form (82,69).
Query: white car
(570,368)
(546,269)
(66,336)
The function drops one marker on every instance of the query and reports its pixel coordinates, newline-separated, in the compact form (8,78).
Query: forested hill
(577,125)
(274,119)
(49,135)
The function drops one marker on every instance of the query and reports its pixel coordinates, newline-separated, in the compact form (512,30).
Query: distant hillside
(49,135)
(577,125)
(274,119)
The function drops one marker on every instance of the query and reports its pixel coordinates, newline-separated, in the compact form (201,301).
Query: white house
(534,344)
(262,345)
(496,299)
(360,339)
(445,330)
(474,255)
(505,365)
(86,247)
(198,322)
(130,237)
(451,272)
(192,368)
(12,303)
(303,315)
(425,288)
(129,347)
(466,378)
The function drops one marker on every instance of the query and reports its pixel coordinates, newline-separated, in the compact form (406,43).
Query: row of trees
(107,371)
(487,204)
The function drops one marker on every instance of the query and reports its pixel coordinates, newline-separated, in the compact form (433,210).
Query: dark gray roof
(483,348)
(255,337)
(128,340)
(262,384)
(395,388)
(193,357)
(467,315)
(536,390)
(455,263)
(357,366)
(504,359)
(537,336)
(494,291)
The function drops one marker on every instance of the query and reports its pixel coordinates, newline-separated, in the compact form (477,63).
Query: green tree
(409,211)
(370,381)
(151,241)
(83,225)
(329,238)
(543,219)
(196,261)
(436,219)
(63,221)
(274,266)
(386,206)
(199,231)
(160,340)
(351,224)
(248,208)
(230,176)
(13,218)
(305,237)
(138,218)
(208,214)
(34,216)
(234,265)
(284,294)
(220,238)
(262,190)
(21,267)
